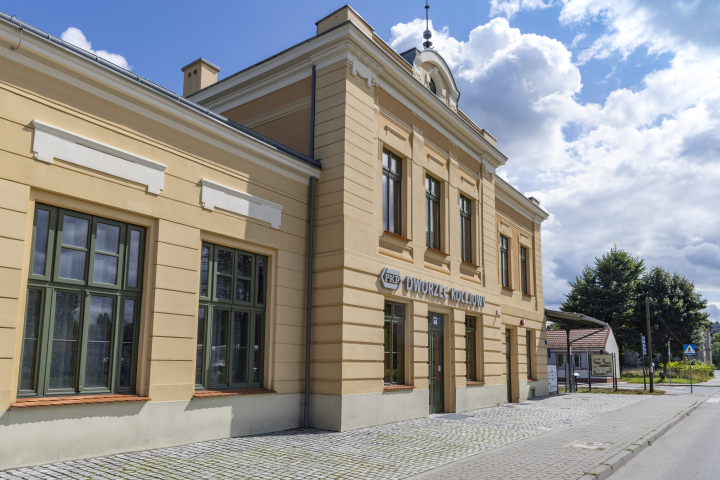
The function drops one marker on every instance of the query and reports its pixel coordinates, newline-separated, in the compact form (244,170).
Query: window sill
(231,392)
(76,400)
(470,265)
(507,289)
(533,380)
(388,233)
(398,388)
(473,383)
(437,252)
(527,295)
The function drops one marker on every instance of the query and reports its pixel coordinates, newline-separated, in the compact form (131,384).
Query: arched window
(432,87)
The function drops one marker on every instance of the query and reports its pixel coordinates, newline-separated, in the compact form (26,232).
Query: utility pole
(649,334)
(668,363)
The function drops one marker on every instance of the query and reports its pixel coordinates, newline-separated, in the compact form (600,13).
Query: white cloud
(76,37)
(714,311)
(508,8)
(640,170)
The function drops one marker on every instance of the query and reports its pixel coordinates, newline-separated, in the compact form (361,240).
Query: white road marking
(713,400)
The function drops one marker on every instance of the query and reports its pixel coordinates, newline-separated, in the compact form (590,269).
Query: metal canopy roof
(572,321)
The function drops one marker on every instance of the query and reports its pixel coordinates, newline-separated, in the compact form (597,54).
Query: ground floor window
(529,344)
(231,318)
(394,329)
(83,305)
(471,348)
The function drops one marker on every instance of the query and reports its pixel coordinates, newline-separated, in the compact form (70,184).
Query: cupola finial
(427,34)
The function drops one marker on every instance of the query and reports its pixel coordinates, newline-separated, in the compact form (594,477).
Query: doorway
(508,365)
(435,362)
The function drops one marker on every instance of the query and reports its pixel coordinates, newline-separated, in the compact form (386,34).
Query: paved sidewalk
(404,449)
(587,450)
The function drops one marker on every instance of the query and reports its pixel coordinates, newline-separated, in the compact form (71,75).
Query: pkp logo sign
(390,278)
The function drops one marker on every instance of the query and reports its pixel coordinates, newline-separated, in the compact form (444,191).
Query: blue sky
(608,110)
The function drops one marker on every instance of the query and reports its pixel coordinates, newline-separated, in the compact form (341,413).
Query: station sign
(393,280)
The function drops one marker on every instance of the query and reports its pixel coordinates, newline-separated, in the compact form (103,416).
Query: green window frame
(523,270)
(391,192)
(471,348)
(504,261)
(432,212)
(394,344)
(231,318)
(528,345)
(82,312)
(466,229)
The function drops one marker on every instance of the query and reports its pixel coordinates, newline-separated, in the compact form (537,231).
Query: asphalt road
(691,449)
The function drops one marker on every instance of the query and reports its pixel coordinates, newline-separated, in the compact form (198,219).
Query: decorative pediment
(215,195)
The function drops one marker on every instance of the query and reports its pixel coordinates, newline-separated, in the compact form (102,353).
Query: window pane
(42,228)
(134,258)
(74,231)
(127,347)
(33,318)
(105,269)
(243,291)
(258,350)
(241,323)
(385,181)
(223,288)
(202,312)
(224,262)
(260,284)
(387,330)
(204,270)
(391,206)
(396,207)
(386,159)
(72,264)
(244,266)
(66,329)
(107,238)
(218,348)
(398,372)
(97,357)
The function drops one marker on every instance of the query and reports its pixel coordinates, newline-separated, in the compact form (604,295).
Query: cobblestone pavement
(393,451)
(581,450)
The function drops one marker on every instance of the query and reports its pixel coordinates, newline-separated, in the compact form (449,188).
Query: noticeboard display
(552,379)
(601,364)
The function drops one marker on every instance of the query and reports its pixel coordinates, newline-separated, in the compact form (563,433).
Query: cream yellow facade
(82,139)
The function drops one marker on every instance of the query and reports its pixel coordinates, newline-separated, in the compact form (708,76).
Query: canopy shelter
(573,321)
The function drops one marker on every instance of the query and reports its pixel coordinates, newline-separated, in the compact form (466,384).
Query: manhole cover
(588,445)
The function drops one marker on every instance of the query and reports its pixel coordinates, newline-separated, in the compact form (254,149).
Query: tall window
(231,318)
(529,344)
(83,305)
(394,360)
(504,273)
(471,348)
(391,181)
(524,270)
(432,212)
(465,228)
(432,86)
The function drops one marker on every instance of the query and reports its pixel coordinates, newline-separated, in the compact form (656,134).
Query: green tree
(607,291)
(676,311)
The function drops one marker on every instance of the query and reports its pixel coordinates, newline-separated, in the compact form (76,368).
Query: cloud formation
(76,37)
(640,169)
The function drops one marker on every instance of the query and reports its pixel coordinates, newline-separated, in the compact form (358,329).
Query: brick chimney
(198,75)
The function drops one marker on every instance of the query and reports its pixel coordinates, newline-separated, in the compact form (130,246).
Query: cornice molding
(51,142)
(214,195)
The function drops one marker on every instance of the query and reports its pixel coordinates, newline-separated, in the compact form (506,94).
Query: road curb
(617,461)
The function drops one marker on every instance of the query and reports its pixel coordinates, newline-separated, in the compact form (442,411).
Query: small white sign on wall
(552,379)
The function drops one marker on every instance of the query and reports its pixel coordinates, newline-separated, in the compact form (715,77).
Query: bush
(700,369)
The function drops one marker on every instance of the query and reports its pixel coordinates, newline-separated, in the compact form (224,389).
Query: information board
(552,378)
(602,365)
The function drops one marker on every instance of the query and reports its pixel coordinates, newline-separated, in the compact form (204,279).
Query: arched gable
(429,65)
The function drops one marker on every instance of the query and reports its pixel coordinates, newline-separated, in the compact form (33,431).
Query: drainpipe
(311,225)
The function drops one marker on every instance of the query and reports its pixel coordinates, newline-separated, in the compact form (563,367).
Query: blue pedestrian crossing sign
(689,349)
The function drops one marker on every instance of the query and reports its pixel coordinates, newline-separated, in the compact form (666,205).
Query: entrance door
(508,365)
(435,362)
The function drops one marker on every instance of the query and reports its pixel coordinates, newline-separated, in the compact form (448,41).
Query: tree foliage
(607,291)
(614,289)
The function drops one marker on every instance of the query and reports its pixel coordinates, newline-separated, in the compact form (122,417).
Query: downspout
(311,224)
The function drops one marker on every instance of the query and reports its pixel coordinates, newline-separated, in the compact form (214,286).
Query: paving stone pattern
(556,456)
(393,451)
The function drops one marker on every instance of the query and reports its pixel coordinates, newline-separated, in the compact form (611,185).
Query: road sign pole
(589,373)
(642,342)
(668,364)
(649,339)
(690,376)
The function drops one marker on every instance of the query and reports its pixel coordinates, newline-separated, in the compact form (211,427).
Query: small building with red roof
(584,342)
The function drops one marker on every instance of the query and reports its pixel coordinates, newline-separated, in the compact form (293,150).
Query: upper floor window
(465,228)
(231,318)
(432,86)
(394,329)
(504,271)
(83,305)
(391,182)
(432,212)
(471,348)
(524,270)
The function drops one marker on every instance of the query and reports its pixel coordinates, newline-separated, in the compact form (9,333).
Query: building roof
(558,338)
(145,83)
(572,321)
